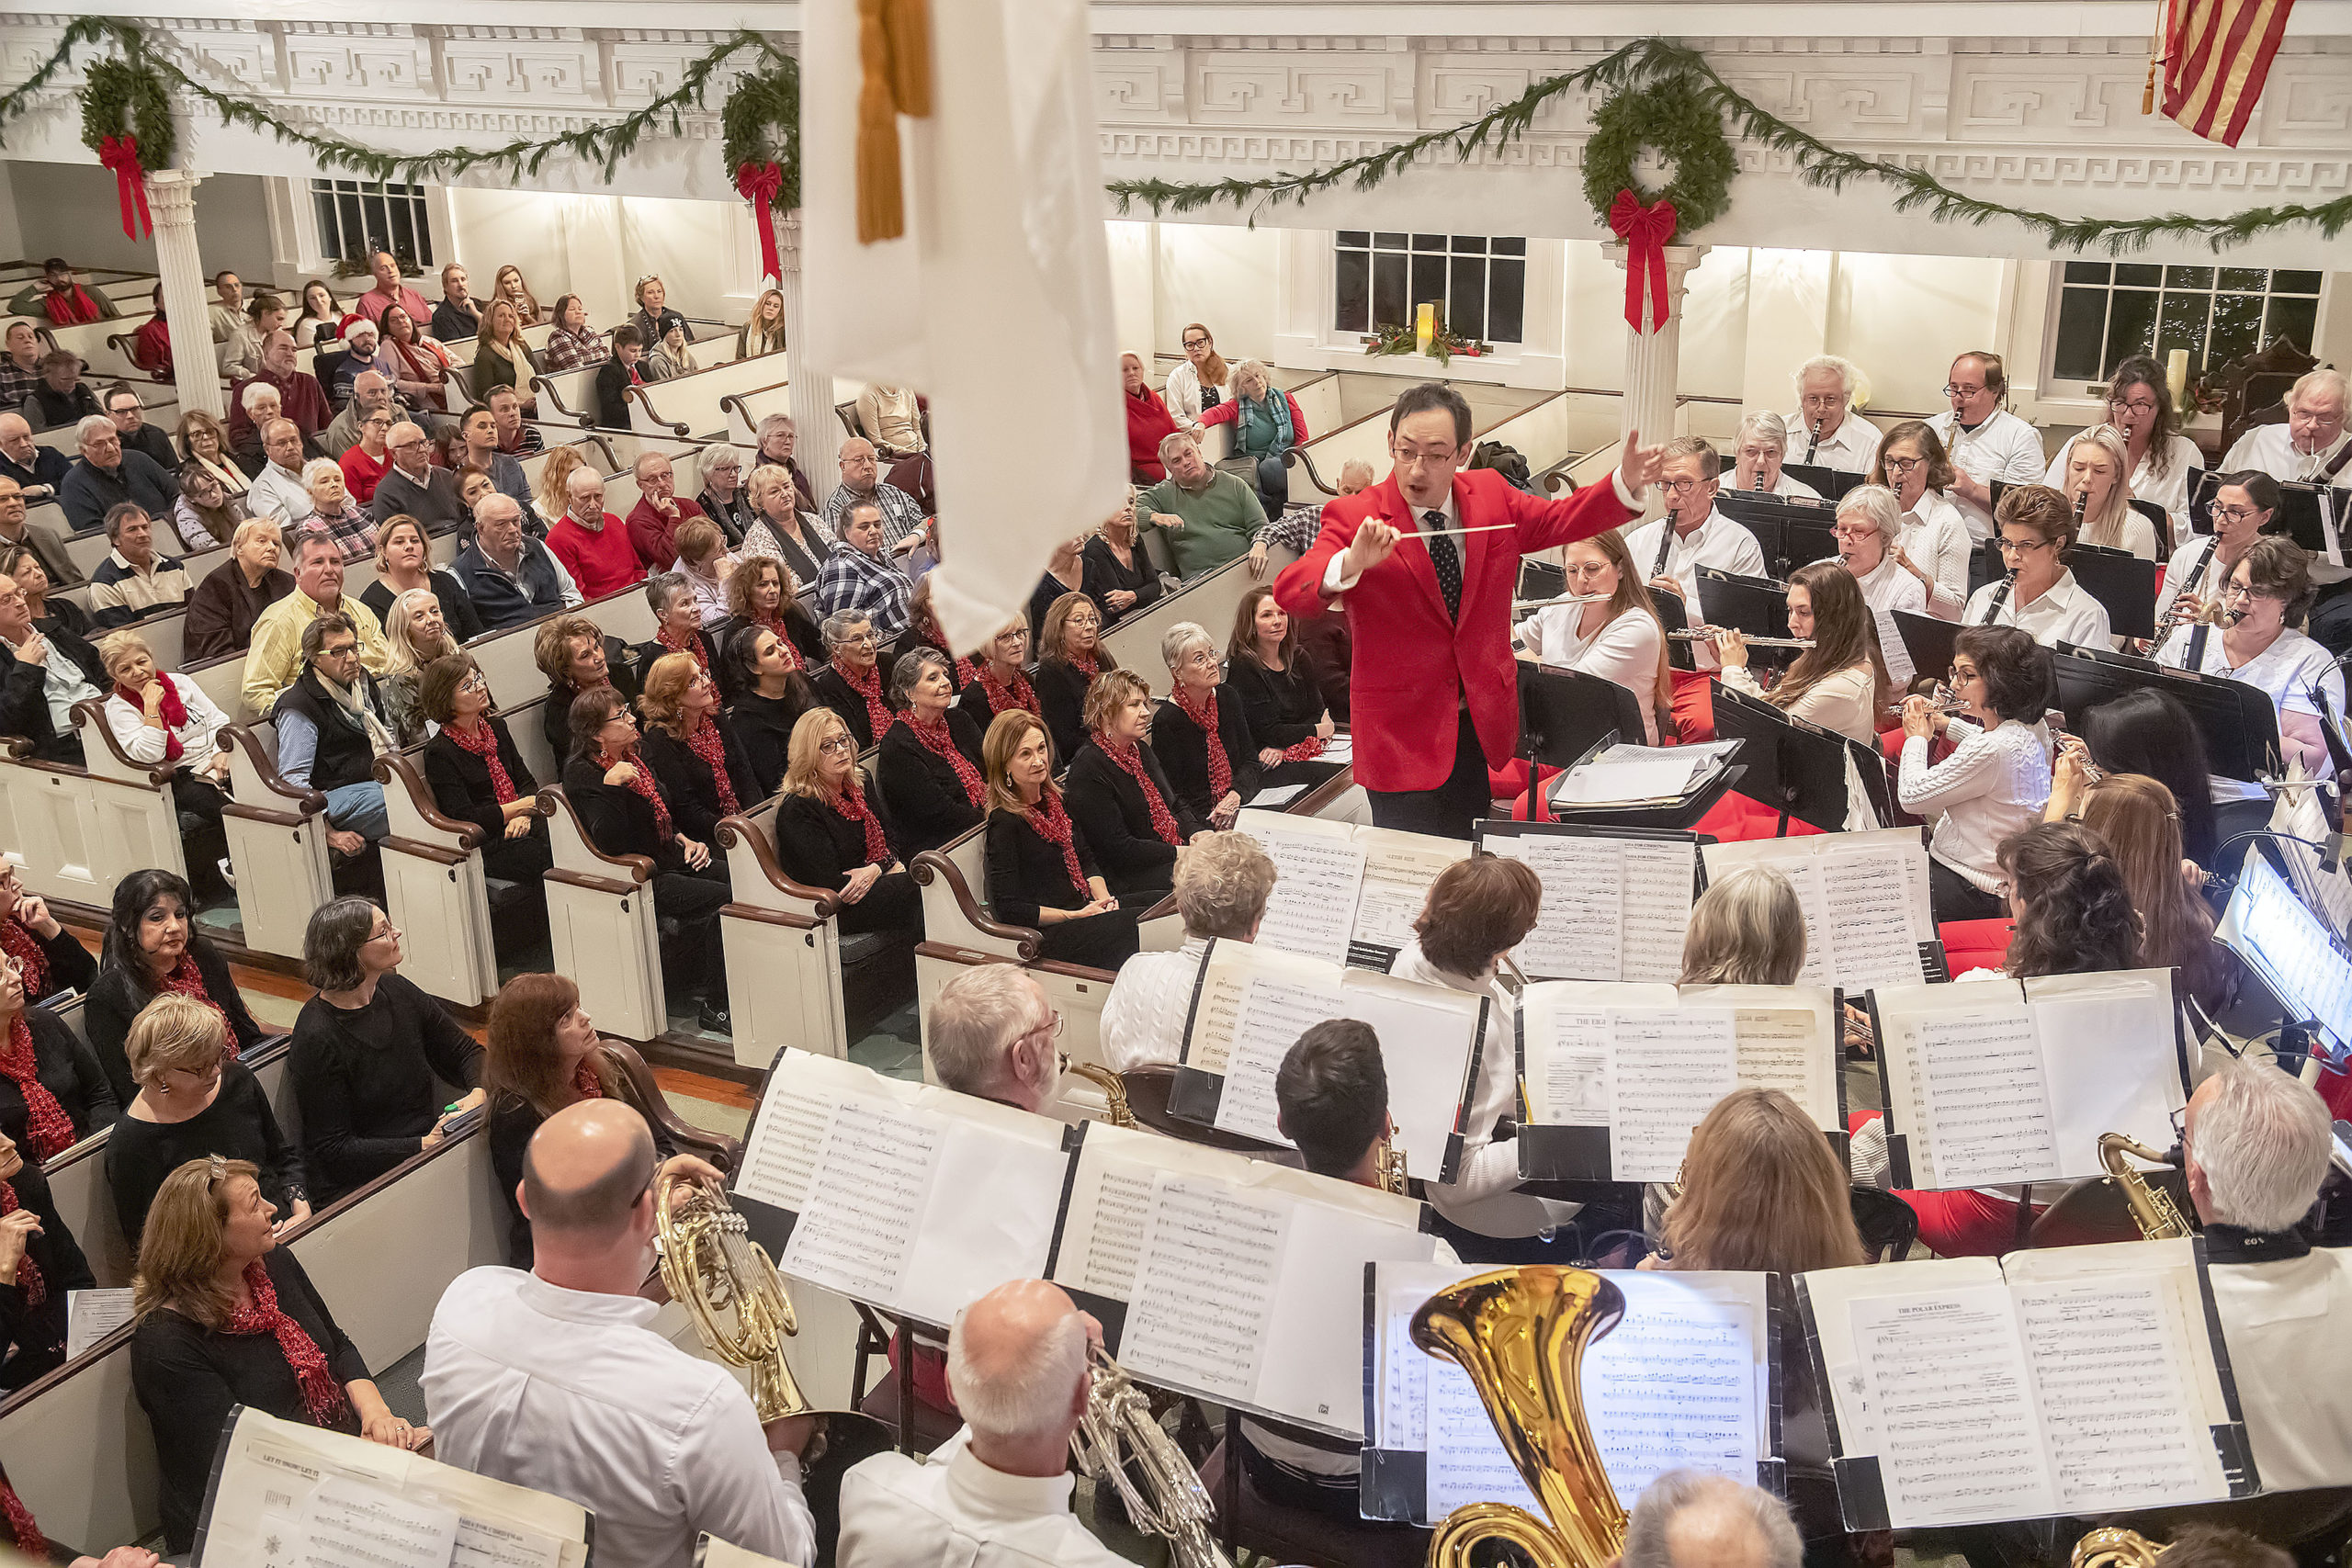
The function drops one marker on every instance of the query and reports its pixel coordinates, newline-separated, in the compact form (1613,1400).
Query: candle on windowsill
(1424,327)
(2176,376)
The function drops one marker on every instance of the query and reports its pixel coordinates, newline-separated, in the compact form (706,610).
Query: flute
(1752,642)
(1517,605)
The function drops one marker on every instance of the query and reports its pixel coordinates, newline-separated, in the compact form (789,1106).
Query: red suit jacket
(1408,655)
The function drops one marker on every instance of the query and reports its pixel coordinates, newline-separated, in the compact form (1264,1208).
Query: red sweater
(362,474)
(602,562)
(1148,423)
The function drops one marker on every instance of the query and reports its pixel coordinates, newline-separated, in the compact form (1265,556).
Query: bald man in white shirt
(1984,441)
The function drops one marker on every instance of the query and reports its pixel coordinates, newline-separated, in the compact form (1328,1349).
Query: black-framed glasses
(1954,390)
(2234,513)
(2019,547)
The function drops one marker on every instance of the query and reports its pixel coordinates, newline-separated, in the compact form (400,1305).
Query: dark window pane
(1518,248)
(1353,313)
(322,199)
(2294,283)
(2130,325)
(1429,242)
(1356,239)
(1389,241)
(2087,272)
(1505,300)
(2297,320)
(404,230)
(2188,278)
(1469,245)
(2183,326)
(354,225)
(2237,327)
(1429,284)
(1389,308)
(2082,325)
(1465,297)
(2245,278)
(2134,272)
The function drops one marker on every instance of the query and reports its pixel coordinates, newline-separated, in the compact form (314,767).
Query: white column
(811,393)
(196,366)
(1653,352)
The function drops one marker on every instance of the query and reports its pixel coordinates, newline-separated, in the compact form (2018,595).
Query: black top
(1282,706)
(460,780)
(71,968)
(1109,810)
(37,1334)
(61,610)
(732,516)
(222,608)
(818,847)
(1101,573)
(458,610)
(1184,752)
(189,1378)
(1061,692)
(68,1069)
(24,697)
(646,652)
(238,1124)
(798,625)
(927,805)
(973,703)
(555,719)
(691,785)
(513,1120)
(364,1078)
(847,701)
(763,727)
(1025,872)
(116,998)
(617,819)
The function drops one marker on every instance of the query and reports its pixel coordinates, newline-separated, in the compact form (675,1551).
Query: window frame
(1448,258)
(2070,389)
(429,254)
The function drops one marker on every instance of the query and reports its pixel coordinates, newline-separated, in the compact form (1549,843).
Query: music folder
(1757,605)
(1989,1082)
(1791,530)
(1342,891)
(1616,901)
(2066,1380)
(1929,641)
(289,1495)
(1867,921)
(1229,1278)
(2237,722)
(1250,1005)
(712,1553)
(1691,1378)
(905,1196)
(1617,1075)
(1813,773)
(1831,484)
(2122,582)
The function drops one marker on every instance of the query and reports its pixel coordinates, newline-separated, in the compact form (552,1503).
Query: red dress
(1148,423)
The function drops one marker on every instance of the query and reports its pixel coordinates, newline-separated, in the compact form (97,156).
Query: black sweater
(456,606)
(116,998)
(238,1124)
(847,701)
(928,806)
(1025,872)
(555,719)
(24,698)
(617,819)
(763,727)
(1184,752)
(513,1120)
(365,1079)
(818,847)
(188,1377)
(1282,706)
(799,626)
(37,1332)
(691,786)
(1109,810)
(68,1069)
(1101,573)
(71,968)
(1061,695)
(460,780)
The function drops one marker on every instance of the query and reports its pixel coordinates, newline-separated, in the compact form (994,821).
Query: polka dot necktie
(1448,564)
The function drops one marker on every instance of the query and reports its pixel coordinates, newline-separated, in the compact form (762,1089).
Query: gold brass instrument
(1520,1334)
(1392,1167)
(1171,1503)
(2113,1548)
(2152,1207)
(1115,1090)
(730,1291)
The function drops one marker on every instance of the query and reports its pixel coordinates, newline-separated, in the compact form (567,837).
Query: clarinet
(2000,597)
(1665,540)
(2202,629)
(1758,486)
(1813,443)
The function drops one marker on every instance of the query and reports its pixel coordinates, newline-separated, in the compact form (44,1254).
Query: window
(2110,310)
(1479,284)
(357,218)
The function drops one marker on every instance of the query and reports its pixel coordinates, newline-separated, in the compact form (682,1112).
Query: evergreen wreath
(1683,126)
(761,122)
(127,95)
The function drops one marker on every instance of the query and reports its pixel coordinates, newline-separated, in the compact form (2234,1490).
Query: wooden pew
(73,832)
(277,844)
(1209,599)
(566,397)
(690,405)
(748,408)
(601,927)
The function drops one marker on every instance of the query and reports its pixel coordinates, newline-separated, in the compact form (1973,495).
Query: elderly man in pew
(862,485)
(19,363)
(18,532)
(37,470)
(223,608)
(107,477)
(129,416)
(331,728)
(510,578)
(1223,881)
(278,492)
(226,1317)
(48,672)
(161,719)
(40,1262)
(274,656)
(555,1379)
(412,485)
(60,397)
(136,580)
(1210,517)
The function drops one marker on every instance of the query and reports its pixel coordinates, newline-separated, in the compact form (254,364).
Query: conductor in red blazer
(1433,687)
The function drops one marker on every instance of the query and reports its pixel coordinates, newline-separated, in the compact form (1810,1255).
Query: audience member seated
(2140,823)
(1119,796)
(771,693)
(107,477)
(299,396)
(368,1052)
(509,577)
(1826,432)
(1148,421)
(21,367)
(669,356)
(456,315)
(901,516)
(135,580)
(318,324)
(615,377)
(782,529)
(52,960)
(1984,441)
(41,1265)
(933,781)
(1274,681)
(362,350)
(692,749)
(59,301)
(1701,535)
(417,635)
(1116,573)
(1759,449)
(478,448)
(516,439)
(389,290)
(222,608)
(998,684)
(723,499)
(154,948)
(763,333)
(543,1056)
(1202,740)
(1210,515)
(151,345)
(331,728)
(202,439)
(624,812)
(851,682)
(129,416)
(1041,870)
(38,472)
(590,542)
(703,561)
(654,522)
(1690,1518)
(23,564)
(2040,595)
(54,1094)
(890,417)
(48,671)
(412,486)
(192,1102)
(2198,573)
(1202,381)
(60,397)
(227,1318)
(1997,776)
(278,492)
(1069,656)
(1839,682)
(404,564)
(476,775)
(1618,637)
(507,284)
(654,319)
(206,514)
(832,832)
(760,595)
(2296,448)
(2148,732)
(1267,425)
(420,367)
(371,394)
(677,623)
(331,508)
(573,343)
(577,657)
(779,439)
(226,310)
(161,719)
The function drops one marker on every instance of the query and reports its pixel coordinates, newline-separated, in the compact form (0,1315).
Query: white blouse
(1846,702)
(2168,490)
(1935,535)
(2064,612)
(1886,589)
(1624,650)
(1994,784)
(2285,673)
(199,738)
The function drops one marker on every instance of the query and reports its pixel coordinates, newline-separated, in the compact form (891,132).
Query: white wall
(71,209)
(597,246)
(1224,277)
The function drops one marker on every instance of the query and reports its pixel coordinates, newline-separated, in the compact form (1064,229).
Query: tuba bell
(1521,1334)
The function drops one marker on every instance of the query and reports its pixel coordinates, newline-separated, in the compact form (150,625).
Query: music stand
(1541,579)
(2236,722)
(1832,483)
(2298,516)
(1928,640)
(1757,605)
(1794,766)
(1674,617)
(1792,531)
(1565,715)
(2122,582)
(1762,515)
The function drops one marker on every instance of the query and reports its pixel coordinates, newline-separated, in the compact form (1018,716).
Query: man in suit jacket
(1443,604)
(47,673)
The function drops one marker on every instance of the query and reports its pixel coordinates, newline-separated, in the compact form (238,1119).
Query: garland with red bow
(761,124)
(127,122)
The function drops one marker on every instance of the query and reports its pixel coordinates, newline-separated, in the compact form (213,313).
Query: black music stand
(1567,716)
(1541,579)
(1794,766)
(1928,640)
(1762,515)
(1757,605)
(1792,531)
(1831,483)
(2122,582)
(2236,722)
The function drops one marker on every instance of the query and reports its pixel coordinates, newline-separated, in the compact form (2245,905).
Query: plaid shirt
(1296,527)
(16,385)
(901,514)
(565,352)
(853,581)
(355,530)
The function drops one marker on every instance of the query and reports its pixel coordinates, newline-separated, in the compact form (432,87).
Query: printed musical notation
(1986,1110)
(1204,1288)
(1114,1245)
(1397,871)
(1874,941)
(1576,935)
(1317,881)
(1779,1049)
(783,1150)
(1273,1014)
(1957,1428)
(866,1201)
(2108,1367)
(1667,1070)
(1576,1069)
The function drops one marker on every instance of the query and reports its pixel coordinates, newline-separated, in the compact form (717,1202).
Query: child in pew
(153,948)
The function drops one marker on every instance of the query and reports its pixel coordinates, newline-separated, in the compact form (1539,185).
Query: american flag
(2216,55)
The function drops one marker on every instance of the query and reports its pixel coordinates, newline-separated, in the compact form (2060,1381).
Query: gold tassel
(881,198)
(2156,58)
(908,22)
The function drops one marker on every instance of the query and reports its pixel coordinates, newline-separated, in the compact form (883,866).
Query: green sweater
(1219,521)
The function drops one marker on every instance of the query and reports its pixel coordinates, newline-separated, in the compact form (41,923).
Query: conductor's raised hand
(1374,542)
(1639,465)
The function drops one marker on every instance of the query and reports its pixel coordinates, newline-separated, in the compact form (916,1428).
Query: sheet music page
(1577,933)
(350,1523)
(2110,1376)
(1985,1109)
(1110,1201)
(1679,1382)
(1204,1288)
(866,1201)
(1397,871)
(1871,936)
(782,1149)
(1657,877)
(1959,1439)
(1567,1068)
(1225,980)
(1467,1462)
(1780,1048)
(2109,1061)
(1272,1015)
(1427,1034)
(1316,883)
(1313,1369)
(1404,1368)
(994,1195)
(1666,1071)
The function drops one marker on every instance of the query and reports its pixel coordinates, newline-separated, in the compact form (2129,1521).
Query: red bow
(121,153)
(758,184)
(1646,230)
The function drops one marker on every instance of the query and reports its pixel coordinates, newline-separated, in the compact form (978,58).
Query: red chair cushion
(1975,944)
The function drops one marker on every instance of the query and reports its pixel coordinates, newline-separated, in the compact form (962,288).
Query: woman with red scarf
(477,774)
(931,766)
(999,685)
(693,750)
(1201,733)
(420,364)
(40,1262)
(1148,421)
(226,1317)
(153,948)
(677,623)
(831,831)
(1070,654)
(1120,795)
(1041,869)
(54,1094)
(47,955)
(760,594)
(765,671)
(1274,681)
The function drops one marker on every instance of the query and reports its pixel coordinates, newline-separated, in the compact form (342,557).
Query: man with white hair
(1759,447)
(371,392)
(108,477)
(997,1494)
(992,1036)
(510,577)
(653,522)
(2309,439)
(1689,1518)
(259,402)
(1824,431)
(1223,881)
(590,542)
(413,486)
(2255,1143)
(1210,515)
(1984,441)
(278,491)
(38,470)
(862,484)
(300,399)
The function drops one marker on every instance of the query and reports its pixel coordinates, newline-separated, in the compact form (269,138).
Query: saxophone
(1170,1502)
(2152,1209)
(1521,1334)
(1115,1090)
(1392,1167)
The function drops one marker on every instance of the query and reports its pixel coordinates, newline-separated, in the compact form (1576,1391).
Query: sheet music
(1404,1371)
(1657,874)
(1676,1382)
(1574,1069)
(712,1553)
(2109,1359)
(1317,879)
(1985,1108)
(783,1150)
(1577,934)
(2115,1071)
(856,1235)
(1122,1208)
(1273,1014)
(1467,1462)
(1204,1288)
(349,1523)
(1959,1437)
(1397,871)
(91,1315)
(1667,1070)
(1873,941)
(1778,1048)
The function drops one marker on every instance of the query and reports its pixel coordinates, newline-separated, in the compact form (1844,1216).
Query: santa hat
(356,322)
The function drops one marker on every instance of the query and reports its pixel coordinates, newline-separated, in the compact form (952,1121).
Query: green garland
(1682,125)
(125,95)
(761,123)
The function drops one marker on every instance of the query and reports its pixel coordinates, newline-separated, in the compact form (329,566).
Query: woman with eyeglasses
(1618,637)
(1041,869)
(999,685)
(1997,777)
(477,775)
(1202,381)
(1119,796)
(1201,733)
(2039,596)
(2199,569)
(1932,546)
(1841,683)
(2158,458)
(931,761)
(1868,526)
(832,831)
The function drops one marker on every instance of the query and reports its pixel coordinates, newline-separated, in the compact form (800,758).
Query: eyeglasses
(837,743)
(2239,591)
(863,640)
(1954,390)
(2019,547)
(1681,486)
(1848,531)
(473,683)
(1903,465)
(2233,513)
(2141,406)
(1051,1029)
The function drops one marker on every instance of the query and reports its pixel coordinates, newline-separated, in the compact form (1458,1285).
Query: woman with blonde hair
(763,333)
(997,683)
(1120,795)
(404,561)
(161,719)
(1070,654)
(782,529)
(1841,682)
(1746,929)
(552,498)
(831,830)
(1113,569)
(416,635)
(1041,869)
(2140,822)
(704,562)
(501,358)
(1149,423)
(2097,471)
(1618,637)
(692,747)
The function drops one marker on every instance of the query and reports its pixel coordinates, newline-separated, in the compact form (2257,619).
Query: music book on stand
(1345,892)
(1616,901)
(1690,1377)
(1617,1075)
(2080,1381)
(1865,899)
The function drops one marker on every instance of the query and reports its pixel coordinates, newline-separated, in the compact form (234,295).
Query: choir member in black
(1201,733)
(692,748)
(40,1262)
(831,831)
(933,781)
(226,1317)
(51,957)
(575,654)
(1280,695)
(760,595)
(771,691)
(1119,796)
(153,947)
(1041,870)
(624,812)
(544,1055)
(1070,655)
(476,775)
(677,624)
(52,1091)
(1119,577)
(193,1103)
(852,683)
(998,684)
(923,631)
(367,1051)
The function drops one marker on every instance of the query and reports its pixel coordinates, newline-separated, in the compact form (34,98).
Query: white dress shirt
(1851,448)
(1994,784)
(2181,576)
(2136,534)
(901,1512)
(1784,485)
(2168,490)
(2004,448)
(1887,588)
(1624,651)
(1936,537)
(279,496)
(2271,448)
(2293,1365)
(2285,672)
(2065,613)
(200,738)
(1846,702)
(1718,542)
(1184,397)
(1143,1018)
(572,1392)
